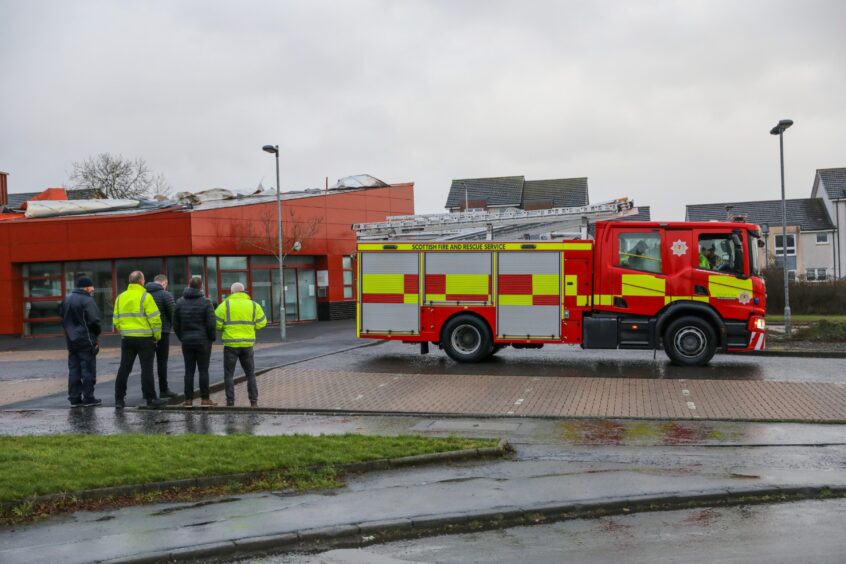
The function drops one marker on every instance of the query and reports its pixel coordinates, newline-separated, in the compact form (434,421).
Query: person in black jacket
(194,324)
(81,324)
(164,301)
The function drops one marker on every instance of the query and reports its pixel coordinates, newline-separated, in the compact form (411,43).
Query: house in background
(830,188)
(815,240)
(810,233)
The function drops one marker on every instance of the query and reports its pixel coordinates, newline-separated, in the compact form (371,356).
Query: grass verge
(824,331)
(37,466)
(805,318)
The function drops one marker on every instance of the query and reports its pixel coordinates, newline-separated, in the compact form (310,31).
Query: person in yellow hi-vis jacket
(139,322)
(239,317)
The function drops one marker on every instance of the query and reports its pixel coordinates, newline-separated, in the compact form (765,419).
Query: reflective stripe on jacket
(239,317)
(136,314)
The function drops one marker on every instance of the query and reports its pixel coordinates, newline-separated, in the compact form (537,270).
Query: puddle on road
(616,432)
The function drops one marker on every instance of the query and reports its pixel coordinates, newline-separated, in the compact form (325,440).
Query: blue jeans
(82,374)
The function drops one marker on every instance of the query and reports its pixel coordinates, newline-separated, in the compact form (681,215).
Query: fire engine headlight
(760,324)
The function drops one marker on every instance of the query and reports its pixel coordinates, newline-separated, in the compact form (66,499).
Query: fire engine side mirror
(761,244)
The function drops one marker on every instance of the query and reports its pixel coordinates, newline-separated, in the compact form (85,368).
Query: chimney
(4,194)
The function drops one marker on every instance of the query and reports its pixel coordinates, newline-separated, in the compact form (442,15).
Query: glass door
(291,309)
(262,292)
(306,295)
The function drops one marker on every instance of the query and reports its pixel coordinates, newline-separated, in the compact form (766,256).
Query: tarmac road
(555,462)
(571,361)
(807,531)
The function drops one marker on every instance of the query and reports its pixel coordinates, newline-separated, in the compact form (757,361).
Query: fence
(806,298)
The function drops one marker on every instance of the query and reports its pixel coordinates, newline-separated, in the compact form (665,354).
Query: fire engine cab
(693,288)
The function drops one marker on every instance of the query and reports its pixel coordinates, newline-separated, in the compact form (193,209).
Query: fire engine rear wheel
(466,338)
(690,341)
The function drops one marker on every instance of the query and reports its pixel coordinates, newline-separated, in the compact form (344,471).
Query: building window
(100,272)
(640,251)
(233,269)
(177,274)
(815,274)
(43,290)
(791,245)
(822,239)
(151,267)
(347,264)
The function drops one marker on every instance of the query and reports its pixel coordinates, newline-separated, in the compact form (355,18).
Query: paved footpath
(556,464)
(301,388)
(33,372)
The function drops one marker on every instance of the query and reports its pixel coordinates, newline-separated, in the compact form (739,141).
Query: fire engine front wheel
(467,338)
(690,341)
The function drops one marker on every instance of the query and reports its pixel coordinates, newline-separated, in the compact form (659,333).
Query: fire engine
(693,288)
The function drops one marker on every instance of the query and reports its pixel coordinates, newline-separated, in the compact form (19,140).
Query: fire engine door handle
(700,290)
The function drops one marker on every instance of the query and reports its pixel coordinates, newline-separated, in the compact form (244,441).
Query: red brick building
(224,241)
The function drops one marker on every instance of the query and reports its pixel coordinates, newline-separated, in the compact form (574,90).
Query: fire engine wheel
(466,338)
(690,341)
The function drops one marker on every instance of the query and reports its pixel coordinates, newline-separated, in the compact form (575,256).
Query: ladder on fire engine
(553,223)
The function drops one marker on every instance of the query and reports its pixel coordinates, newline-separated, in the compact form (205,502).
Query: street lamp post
(779,130)
(274,150)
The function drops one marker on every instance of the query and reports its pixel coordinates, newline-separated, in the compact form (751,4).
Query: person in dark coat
(164,301)
(194,324)
(81,323)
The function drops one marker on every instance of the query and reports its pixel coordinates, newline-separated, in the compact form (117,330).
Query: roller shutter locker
(529,295)
(390,301)
(458,278)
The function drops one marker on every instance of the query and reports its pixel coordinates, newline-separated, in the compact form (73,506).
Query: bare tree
(265,237)
(120,178)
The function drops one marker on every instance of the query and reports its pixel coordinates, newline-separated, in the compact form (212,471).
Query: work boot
(156,403)
(253,404)
(168,394)
(119,403)
(92,402)
(188,404)
(208,403)
(77,403)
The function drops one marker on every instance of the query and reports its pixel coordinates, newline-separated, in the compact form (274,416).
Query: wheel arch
(465,313)
(697,309)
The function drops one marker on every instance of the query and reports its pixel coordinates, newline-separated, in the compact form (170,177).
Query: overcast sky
(666,102)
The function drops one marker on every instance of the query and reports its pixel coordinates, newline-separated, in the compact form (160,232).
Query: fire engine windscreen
(755,243)
(721,252)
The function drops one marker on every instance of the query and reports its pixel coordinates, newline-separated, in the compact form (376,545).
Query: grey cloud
(667,102)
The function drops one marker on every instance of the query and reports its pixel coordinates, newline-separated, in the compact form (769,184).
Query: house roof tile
(808,213)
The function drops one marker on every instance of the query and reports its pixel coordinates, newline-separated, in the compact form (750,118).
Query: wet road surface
(552,464)
(49,363)
(808,531)
(565,361)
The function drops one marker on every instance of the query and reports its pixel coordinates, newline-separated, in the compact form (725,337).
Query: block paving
(305,389)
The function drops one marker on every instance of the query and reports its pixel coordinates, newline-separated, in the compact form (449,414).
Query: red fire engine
(694,288)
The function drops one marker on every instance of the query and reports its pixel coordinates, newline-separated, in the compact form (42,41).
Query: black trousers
(197,356)
(162,353)
(244,355)
(145,349)
(82,374)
